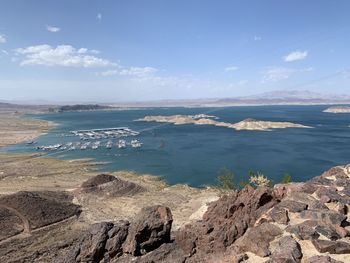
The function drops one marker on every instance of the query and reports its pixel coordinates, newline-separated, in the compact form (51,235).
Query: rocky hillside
(296,222)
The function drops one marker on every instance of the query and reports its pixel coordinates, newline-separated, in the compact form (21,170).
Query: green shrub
(287,178)
(226,179)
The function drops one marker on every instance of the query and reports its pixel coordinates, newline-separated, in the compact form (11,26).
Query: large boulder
(121,241)
(226,220)
(102,241)
(151,229)
(287,250)
(257,239)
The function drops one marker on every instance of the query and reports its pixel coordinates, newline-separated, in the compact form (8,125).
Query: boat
(121,144)
(109,144)
(136,143)
(95,145)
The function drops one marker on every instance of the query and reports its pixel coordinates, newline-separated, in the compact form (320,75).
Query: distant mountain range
(279,97)
(289,97)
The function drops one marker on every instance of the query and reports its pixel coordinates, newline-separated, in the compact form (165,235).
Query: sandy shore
(15,128)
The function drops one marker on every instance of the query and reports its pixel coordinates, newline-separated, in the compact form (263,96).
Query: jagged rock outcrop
(225,221)
(151,229)
(107,241)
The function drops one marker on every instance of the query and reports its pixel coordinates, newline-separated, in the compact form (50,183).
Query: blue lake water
(194,154)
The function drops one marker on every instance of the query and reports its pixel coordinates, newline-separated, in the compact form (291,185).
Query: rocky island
(202,119)
(338,109)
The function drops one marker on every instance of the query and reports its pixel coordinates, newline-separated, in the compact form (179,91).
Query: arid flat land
(15,128)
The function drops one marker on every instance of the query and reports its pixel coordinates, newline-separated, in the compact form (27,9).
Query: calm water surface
(193,154)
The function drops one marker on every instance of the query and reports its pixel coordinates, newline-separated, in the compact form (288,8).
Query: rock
(39,208)
(292,206)
(91,247)
(303,231)
(288,250)
(116,237)
(102,241)
(98,180)
(327,232)
(240,258)
(332,247)
(330,194)
(302,198)
(337,172)
(10,224)
(257,239)
(279,215)
(322,259)
(150,230)
(324,217)
(225,221)
(166,253)
(106,241)
(104,184)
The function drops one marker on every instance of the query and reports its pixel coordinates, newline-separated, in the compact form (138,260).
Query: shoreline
(18,128)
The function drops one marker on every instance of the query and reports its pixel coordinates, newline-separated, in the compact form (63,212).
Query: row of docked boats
(120,144)
(97,134)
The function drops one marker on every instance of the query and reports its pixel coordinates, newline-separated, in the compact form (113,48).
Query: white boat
(136,143)
(121,144)
(109,144)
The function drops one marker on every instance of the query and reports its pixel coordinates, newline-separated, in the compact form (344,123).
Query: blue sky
(131,50)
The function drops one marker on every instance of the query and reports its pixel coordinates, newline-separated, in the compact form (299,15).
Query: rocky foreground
(295,222)
(202,119)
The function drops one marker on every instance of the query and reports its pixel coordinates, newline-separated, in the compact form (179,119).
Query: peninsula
(202,119)
(338,109)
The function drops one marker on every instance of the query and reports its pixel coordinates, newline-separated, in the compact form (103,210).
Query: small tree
(287,178)
(226,179)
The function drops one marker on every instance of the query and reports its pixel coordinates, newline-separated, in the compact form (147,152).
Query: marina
(95,138)
(95,134)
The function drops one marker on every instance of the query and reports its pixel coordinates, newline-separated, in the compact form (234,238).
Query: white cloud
(99,17)
(62,55)
(139,72)
(295,55)
(53,29)
(257,38)
(2,39)
(231,69)
(275,74)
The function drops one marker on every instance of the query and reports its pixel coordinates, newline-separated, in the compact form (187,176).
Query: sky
(132,50)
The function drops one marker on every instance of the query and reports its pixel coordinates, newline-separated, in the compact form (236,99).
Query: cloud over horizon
(2,39)
(275,74)
(53,29)
(132,71)
(295,55)
(62,55)
(231,69)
